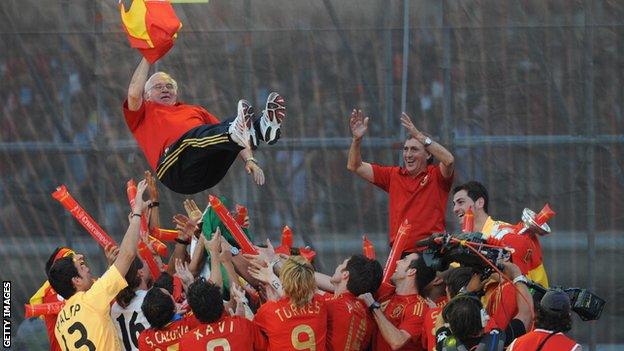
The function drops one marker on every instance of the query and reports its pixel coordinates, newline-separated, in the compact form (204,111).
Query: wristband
(153,204)
(136,214)
(252,160)
(521,279)
(375,305)
(183,242)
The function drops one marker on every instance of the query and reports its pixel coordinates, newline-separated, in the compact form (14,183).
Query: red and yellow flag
(151,27)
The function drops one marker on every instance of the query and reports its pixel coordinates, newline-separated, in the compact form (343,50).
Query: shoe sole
(272,119)
(247,111)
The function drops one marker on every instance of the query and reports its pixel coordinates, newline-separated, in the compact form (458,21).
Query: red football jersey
(294,328)
(228,333)
(500,303)
(406,312)
(429,337)
(349,324)
(169,337)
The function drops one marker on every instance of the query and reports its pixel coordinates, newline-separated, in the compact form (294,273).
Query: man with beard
(399,314)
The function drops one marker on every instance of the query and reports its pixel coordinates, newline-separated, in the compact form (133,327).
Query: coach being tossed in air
(418,191)
(188,147)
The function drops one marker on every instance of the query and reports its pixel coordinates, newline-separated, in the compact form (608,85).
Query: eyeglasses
(160,86)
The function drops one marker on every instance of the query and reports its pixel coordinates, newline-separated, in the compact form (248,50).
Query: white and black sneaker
(240,129)
(272,116)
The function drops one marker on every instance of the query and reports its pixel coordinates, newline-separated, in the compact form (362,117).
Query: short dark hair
(61,274)
(205,300)
(554,321)
(165,281)
(50,260)
(365,275)
(158,308)
(424,274)
(475,190)
(128,293)
(457,278)
(463,314)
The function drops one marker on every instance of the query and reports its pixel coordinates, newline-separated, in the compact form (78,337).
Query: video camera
(584,303)
(442,249)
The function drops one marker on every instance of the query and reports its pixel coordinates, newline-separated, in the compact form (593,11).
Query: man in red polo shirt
(418,191)
(187,147)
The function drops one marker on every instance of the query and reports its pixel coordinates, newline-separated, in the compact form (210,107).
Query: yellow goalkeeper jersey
(85,323)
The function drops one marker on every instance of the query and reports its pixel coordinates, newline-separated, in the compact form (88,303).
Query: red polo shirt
(420,199)
(156,126)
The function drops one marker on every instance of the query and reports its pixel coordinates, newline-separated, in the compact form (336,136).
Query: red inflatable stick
(368,248)
(232,225)
(146,255)
(307,253)
(287,241)
(158,246)
(155,244)
(468,223)
(164,234)
(545,214)
(287,237)
(400,243)
(64,197)
(241,214)
(43,309)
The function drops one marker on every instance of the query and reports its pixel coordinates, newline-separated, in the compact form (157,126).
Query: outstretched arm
(447,161)
(394,336)
(359,126)
(251,166)
(128,247)
(137,84)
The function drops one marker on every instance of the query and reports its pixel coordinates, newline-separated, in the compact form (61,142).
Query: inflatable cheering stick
(232,225)
(64,197)
(468,223)
(43,309)
(287,241)
(397,249)
(368,248)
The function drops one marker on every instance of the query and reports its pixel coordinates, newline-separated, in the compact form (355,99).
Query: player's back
(294,328)
(130,321)
(167,338)
(349,326)
(85,322)
(228,333)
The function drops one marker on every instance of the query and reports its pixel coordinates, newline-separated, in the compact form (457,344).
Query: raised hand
(214,245)
(358,124)
(185,226)
(193,212)
(256,172)
(406,121)
(111,251)
(261,272)
(183,272)
(139,204)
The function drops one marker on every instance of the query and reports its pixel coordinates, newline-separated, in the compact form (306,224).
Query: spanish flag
(151,27)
